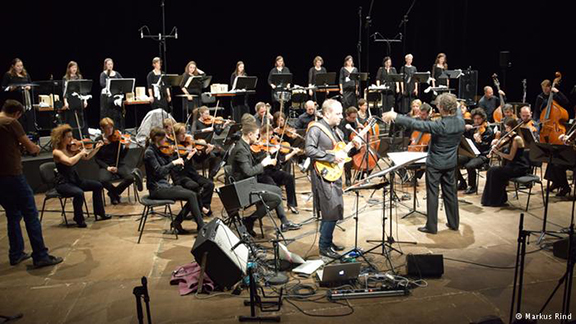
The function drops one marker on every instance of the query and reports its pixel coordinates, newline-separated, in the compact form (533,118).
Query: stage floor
(103,263)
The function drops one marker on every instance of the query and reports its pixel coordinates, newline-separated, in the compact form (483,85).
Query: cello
(497,115)
(553,118)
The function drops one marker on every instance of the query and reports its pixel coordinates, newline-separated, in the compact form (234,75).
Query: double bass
(497,114)
(553,118)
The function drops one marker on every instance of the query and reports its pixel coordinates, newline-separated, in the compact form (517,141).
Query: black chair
(149,205)
(48,177)
(528,181)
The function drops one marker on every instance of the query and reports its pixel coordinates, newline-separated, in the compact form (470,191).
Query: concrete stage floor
(103,263)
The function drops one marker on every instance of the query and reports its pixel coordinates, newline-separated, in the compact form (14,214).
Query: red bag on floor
(186,277)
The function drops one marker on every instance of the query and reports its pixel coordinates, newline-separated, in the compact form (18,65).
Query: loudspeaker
(226,259)
(468,86)
(425,265)
(560,247)
(505,59)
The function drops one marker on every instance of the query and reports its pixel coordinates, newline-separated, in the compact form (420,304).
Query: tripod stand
(141,293)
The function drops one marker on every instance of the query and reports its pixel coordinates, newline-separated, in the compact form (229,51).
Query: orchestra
(268,142)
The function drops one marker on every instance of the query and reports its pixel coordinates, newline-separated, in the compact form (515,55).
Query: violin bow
(79,129)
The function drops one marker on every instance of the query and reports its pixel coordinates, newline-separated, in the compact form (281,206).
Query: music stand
(451,74)
(468,148)
(172,80)
(245,83)
(528,136)
(120,86)
(421,77)
(281,80)
(325,79)
(359,76)
(80,87)
(394,78)
(556,154)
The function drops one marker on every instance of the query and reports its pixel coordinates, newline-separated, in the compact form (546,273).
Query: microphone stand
(359,45)
(162,37)
(404,23)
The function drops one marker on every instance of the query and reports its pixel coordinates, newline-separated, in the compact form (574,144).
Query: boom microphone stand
(161,38)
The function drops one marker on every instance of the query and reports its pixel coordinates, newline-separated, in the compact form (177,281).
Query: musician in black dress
(388,95)
(409,87)
(203,123)
(440,66)
(188,177)
(348,87)
(542,99)
(317,68)
(107,106)
(277,93)
(17,74)
(158,91)
(515,165)
(73,103)
(68,181)
(240,101)
(158,167)
(192,90)
(482,136)
(110,159)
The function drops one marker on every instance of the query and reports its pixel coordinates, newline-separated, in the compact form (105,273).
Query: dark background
(216,34)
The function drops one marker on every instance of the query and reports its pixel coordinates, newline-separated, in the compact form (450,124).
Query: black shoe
(563,192)
(452,228)
(425,229)
(24,256)
(179,229)
(81,224)
(249,224)
(336,247)
(348,182)
(48,261)
(553,187)
(470,190)
(209,213)
(137,174)
(293,210)
(329,253)
(115,200)
(462,185)
(104,217)
(289,226)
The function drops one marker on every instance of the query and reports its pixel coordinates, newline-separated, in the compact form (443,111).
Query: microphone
(141,32)
(176,34)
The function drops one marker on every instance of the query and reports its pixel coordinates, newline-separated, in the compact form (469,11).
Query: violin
(272,145)
(216,121)
(481,129)
(288,131)
(504,140)
(76,146)
(117,136)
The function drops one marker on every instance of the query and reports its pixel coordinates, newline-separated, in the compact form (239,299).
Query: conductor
(441,160)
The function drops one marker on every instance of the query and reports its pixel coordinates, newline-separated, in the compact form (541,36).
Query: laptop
(339,272)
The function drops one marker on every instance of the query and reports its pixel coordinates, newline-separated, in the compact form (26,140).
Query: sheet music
(403,157)
(472,146)
(188,82)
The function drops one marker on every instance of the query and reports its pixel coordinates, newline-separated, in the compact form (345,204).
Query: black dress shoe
(553,187)
(249,224)
(289,226)
(24,256)
(293,210)
(450,227)
(425,229)
(179,229)
(137,174)
(329,253)
(104,217)
(470,190)
(336,247)
(563,192)
(81,224)
(48,261)
(462,186)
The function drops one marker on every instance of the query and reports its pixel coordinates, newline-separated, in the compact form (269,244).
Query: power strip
(364,293)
